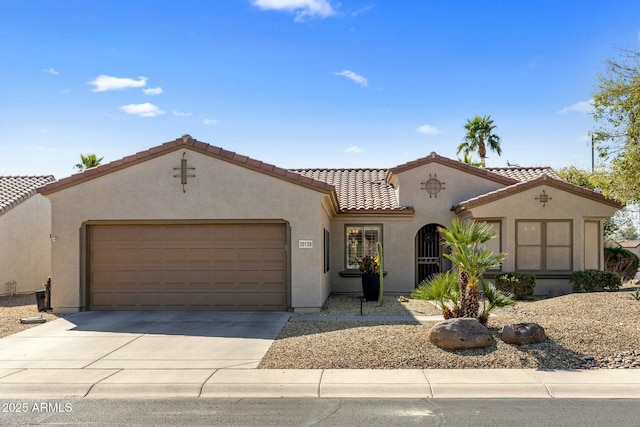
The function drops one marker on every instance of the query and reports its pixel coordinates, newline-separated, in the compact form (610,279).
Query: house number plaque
(305,244)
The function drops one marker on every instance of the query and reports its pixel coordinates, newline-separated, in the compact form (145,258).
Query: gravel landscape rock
(587,330)
(14,308)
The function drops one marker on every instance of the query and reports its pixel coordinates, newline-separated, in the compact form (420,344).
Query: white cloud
(181,113)
(585,107)
(152,91)
(304,9)
(428,130)
(142,110)
(209,122)
(52,71)
(103,83)
(362,81)
(354,149)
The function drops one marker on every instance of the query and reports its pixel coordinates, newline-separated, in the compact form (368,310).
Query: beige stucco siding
(561,205)
(25,247)
(399,232)
(219,191)
(457,187)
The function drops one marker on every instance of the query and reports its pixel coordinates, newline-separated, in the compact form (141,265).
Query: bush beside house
(521,285)
(594,281)
(621,261)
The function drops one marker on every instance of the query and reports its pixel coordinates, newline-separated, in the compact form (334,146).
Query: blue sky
(302,83)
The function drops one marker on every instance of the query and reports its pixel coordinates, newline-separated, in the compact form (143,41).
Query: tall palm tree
(465,238)
(480,136)
(87,162)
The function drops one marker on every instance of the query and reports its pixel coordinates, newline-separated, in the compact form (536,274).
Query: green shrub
(621,261)
(521,285)
(594,281)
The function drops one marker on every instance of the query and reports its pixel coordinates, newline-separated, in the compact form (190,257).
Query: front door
(429,259)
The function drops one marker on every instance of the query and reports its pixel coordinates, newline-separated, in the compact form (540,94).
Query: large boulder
(460,334)
(523,333)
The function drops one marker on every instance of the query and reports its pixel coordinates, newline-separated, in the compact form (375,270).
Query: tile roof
(358,189)
(629,243)
(524,174)
(525,185)
(16,189)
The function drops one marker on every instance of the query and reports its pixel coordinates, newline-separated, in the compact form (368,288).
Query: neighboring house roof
(629,243)
(358,189)
(525,185)
(16,189)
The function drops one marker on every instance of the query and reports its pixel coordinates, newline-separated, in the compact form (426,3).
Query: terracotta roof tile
(629,243)
(358,189)
(16,189)
(524,173)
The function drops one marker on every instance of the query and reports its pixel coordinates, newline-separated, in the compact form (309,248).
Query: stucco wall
(25,246)
(399,233)
(562,205)
(219,191)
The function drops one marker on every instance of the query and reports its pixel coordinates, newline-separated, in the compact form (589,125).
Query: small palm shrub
(494,297)
(594,281)
(442,288)
(521,285)
(621,261)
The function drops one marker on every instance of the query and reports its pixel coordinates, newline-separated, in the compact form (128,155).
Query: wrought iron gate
(428,252)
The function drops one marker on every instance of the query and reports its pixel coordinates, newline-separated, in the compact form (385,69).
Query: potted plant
(370,277)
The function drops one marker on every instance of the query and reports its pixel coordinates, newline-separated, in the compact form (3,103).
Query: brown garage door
(187,267)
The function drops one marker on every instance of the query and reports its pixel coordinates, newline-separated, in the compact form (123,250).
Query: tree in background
(468,160)
(87,162)
(621,225)
(617,114)
(479,137)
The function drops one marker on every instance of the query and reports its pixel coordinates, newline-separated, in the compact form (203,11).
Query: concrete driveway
(145,340)
(135,354)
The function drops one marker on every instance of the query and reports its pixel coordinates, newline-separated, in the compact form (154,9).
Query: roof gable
(16,189)
(543,179)
(188,142)
(463,167)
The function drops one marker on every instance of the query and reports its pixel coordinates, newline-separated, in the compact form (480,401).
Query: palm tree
(87,162)
(468,160)
(480,136)
(465,238)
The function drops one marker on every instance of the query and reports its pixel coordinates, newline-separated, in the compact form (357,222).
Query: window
(327,254)
(543,245)
(494,244)
(360,241)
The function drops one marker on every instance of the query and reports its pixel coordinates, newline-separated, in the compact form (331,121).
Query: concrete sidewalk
(320,383)
(186,354)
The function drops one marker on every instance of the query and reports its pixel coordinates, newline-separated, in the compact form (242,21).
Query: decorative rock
(523,333)
(460,334)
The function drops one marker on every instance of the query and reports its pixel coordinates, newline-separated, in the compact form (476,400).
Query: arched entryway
(429,250)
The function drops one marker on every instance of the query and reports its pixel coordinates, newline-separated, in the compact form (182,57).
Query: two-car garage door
(187,267)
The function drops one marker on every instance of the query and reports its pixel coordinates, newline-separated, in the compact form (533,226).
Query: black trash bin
(41,300)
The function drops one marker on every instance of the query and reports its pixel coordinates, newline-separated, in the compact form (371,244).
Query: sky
(303,83)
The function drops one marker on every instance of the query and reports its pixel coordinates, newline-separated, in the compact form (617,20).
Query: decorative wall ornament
(543,198)
(184,171)
(433,186)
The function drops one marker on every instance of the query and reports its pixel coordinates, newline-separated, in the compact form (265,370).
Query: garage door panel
(187,267)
